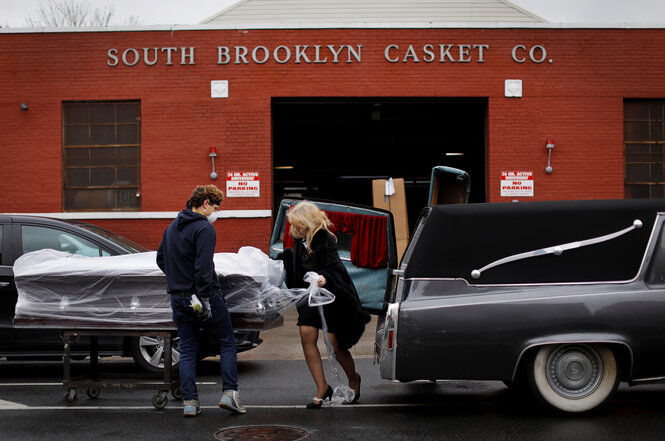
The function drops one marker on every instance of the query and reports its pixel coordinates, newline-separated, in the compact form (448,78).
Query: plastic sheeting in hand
(341,392)
(316,295)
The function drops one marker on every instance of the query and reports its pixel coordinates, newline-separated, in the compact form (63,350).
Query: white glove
(201,307)
(206,314)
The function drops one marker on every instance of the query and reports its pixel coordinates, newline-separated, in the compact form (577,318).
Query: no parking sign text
(517,183)
(242,184)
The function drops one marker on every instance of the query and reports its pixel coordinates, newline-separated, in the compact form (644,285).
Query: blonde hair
(307,216)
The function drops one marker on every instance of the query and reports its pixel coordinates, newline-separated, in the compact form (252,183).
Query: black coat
(345,317)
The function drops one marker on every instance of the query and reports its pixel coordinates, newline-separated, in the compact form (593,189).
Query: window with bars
(644,156)
(101,151)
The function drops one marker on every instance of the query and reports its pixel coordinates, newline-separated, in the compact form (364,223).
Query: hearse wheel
(574,378)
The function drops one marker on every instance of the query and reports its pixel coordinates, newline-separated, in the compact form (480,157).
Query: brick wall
(577,99)
(231,233)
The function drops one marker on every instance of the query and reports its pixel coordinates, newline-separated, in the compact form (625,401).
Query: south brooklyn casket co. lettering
(444,53)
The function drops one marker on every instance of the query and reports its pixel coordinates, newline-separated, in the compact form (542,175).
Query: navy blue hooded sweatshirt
(185,255)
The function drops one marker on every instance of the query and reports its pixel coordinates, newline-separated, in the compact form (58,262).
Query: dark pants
(189,329)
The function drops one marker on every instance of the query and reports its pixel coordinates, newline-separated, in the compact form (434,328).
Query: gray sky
(596,11)
(150,12)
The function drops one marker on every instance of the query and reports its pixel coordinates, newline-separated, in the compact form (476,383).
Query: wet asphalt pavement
(275,385)
(275,392)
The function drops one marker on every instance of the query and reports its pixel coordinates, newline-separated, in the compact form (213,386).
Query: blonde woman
(315,249)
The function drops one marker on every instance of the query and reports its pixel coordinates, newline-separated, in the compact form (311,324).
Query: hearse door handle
(4,284)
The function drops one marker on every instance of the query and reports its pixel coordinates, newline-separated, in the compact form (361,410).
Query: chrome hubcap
(574,371)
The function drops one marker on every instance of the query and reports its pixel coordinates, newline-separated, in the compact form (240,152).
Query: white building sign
(517,183)
(242,184)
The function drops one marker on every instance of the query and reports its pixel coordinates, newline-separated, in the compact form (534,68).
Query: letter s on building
(113,57)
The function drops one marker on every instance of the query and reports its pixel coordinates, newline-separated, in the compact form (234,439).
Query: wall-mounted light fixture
(213,153)
(24,107)
(549,146)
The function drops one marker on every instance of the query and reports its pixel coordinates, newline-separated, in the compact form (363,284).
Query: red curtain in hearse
(369,246)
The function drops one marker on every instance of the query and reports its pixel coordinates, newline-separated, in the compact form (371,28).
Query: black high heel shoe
(316,404)
(357,396)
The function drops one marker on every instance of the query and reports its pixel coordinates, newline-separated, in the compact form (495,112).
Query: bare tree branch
(69,13)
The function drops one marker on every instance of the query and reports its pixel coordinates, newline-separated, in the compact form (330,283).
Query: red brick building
(116,127)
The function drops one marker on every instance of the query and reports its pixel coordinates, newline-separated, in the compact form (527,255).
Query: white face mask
(213,216)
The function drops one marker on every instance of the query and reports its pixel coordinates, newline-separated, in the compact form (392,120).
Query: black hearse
(565,298)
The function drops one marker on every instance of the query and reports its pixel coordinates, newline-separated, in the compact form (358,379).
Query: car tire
(574,378)
(148,353)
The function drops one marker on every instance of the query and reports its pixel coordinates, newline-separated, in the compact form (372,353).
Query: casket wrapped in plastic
(58,289)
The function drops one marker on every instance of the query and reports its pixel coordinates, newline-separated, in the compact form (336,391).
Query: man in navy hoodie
(186,257)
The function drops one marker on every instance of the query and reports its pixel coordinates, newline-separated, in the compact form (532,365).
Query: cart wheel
(176,392)
(159,400)
(93,392)
(70,396)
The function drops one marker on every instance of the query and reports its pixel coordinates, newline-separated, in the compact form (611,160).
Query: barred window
(101,151)
(644,154)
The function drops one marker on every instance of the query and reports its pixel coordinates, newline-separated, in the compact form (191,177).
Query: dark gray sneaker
(230,401)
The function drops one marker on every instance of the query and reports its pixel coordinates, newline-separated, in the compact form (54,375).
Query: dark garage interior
(332,148)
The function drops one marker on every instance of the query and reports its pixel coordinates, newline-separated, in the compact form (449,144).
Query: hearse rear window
(458,239)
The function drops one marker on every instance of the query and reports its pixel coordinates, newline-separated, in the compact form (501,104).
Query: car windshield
(117,239)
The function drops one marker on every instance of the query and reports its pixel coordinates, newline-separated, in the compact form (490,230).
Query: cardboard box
(396,204)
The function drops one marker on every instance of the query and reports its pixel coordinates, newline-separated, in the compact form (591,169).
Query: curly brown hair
(205,192)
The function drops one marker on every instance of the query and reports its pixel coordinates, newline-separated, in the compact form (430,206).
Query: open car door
(366,244)
(449,185)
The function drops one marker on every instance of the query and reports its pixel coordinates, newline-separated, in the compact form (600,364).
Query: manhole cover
(261,433)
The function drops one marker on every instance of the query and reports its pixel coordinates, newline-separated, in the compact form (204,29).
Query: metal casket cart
(95,379)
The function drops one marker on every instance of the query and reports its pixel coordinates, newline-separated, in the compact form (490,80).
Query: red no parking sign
(242,184)
(517,183)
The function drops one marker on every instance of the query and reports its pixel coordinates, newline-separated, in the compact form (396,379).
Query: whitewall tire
(574,378)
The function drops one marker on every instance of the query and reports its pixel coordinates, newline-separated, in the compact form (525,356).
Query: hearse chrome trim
(557,250)
(525,298)
(388,349)
(494,285)
(646,380)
